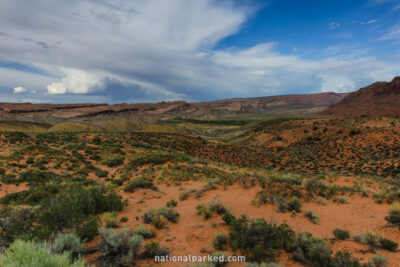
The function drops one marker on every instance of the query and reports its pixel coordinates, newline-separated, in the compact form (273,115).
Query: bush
(144,232)
(183,195)
(71,209)
(345,259)
(312,216)
(257,239)
(154,249)
(68,242)
(368,238)
(118,249)
(293,204)
(113,162)
(379,260)
(139,183)
(159,217)
(220,242)
(27,254)
(205,211)
(89,229)
(388,244)
(228,218)
(172,203)
(110,219)
(15,222)
(394,216)
(341,234)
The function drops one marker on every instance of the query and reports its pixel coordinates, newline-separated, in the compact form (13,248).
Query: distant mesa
(377,99)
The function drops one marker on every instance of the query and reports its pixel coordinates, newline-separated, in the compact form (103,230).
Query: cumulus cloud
(76,82)
(19,89)
(150,50)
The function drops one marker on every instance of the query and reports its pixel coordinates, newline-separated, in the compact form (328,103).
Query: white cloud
(19,89)
(334,25)
(76,82)
(372,21)
(157,49)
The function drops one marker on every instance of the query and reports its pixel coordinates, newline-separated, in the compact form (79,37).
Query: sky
(114,51)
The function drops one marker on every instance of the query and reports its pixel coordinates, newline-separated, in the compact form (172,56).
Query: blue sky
(155,50)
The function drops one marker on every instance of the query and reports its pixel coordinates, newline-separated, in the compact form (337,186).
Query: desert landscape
(283,181)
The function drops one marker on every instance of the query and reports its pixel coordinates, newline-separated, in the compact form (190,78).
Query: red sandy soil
(192,234)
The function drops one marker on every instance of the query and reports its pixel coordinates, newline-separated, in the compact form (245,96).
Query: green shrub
(110,219)
(183,195)
(394,216)
(15,222)
(144,232)
(29,254)
(118,249)
(101,173)
(159,217)
(68,242)
(345,259)
(228,218)
(205,211)
(293,204)
(341,234)
(379,260)
(312,216)
(154,249)
(388,244)
(124,219)
(257,239)
(89,229)
(220,242)
(139,183)
(70,210)
(114,162)
(172,203)
(157,158)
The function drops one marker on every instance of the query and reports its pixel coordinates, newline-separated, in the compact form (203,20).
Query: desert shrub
(312,251)
(312,216)
(124,219)
(118,249)
(172,203)
(341,200)
(183,195)
(68,242)
(69,210)
(341,234)
(101,173)
(345,259)
(110,219)
(9,179)
(139,183)
(257,239)
(144,232)
(88,230)
(158,158)
(27,254)
(367,238)
(394,216)
(388,244)
(205,211)
(35,178)
(228,218)
(15,222)
(379,260)
(293,204)
(114,161)
(159,217)
(220,241)
(154,249)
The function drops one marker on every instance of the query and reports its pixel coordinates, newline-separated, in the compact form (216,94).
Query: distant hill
(377,99)
(103,113)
